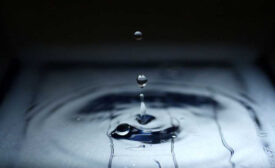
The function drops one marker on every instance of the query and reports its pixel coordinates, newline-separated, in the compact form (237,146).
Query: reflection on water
(184,126)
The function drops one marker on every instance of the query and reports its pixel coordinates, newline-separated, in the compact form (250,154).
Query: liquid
(143,108)
(142,81)
(138,35)
(179,128)
(144,135)
(143,118)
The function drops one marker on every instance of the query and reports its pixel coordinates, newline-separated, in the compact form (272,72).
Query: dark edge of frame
(8,78)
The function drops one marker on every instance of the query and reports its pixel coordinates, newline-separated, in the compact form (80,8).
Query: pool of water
(188,126)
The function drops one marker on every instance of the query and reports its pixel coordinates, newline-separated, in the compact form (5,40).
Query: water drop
(122,130)
(142,117)
(142,80)
(138,35)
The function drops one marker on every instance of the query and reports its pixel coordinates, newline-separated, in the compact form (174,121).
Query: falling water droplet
(143,118)
(142,80)
(138,35)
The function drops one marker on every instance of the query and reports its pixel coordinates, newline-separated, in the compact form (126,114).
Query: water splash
(95,110)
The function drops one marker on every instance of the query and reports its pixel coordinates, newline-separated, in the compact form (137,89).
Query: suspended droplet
(142,80)
(138,35)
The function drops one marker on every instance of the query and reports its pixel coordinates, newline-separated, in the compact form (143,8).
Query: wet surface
(172,120)
(204,121)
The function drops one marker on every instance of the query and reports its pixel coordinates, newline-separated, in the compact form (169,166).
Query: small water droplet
(122,130)
(138,35)
(142,80)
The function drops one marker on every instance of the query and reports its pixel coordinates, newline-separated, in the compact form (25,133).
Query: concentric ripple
(186,126)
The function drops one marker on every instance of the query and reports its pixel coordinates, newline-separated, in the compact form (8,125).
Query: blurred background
(72,29)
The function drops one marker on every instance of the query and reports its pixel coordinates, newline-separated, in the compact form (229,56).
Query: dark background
(65,23)
(60,22)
